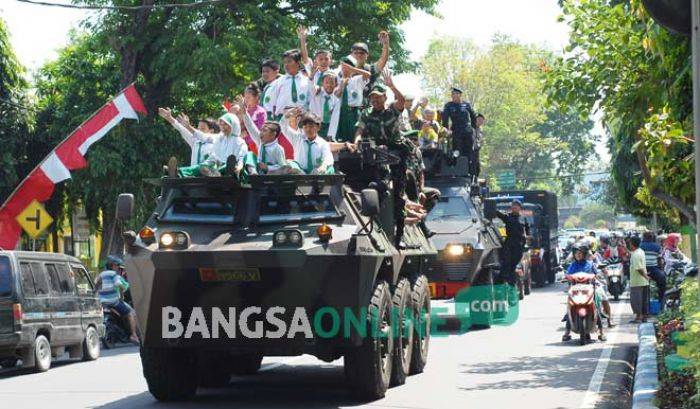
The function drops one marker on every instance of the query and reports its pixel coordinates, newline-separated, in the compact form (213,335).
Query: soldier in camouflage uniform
(380,124)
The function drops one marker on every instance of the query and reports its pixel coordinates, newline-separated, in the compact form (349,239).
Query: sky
(37,32)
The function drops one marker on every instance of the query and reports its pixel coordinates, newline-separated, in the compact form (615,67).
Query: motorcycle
(679,272)
(582,311)
(116,328)
(617,282)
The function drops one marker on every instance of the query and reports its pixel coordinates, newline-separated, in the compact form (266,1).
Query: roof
(41,255)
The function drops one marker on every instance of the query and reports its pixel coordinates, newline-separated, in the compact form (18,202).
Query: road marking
(592,395)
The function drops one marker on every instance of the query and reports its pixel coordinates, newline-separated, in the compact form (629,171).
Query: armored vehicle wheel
(171,374)
(91,345)
(421,328)
(402,331)
(368,367)
(247,364)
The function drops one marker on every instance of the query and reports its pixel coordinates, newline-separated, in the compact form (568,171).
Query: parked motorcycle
(679,272)
(116,328)
(582,311)
(617,282)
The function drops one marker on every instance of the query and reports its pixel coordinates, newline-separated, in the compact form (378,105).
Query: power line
(129,8)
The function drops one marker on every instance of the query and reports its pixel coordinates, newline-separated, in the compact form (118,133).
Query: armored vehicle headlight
(181,239)
(324,232)
(280,238)
(167,239)
(295,237)
(174,240)
(287,238)
(454,250)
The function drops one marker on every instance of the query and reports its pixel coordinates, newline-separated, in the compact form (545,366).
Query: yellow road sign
(34,219)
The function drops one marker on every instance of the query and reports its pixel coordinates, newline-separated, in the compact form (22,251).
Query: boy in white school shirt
(323,102)
(320,65)
(200,149)
(291,89)
(271,159)
(311,153)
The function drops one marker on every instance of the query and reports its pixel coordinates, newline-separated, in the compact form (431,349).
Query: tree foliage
(504,82)
(619,61)
(15,118)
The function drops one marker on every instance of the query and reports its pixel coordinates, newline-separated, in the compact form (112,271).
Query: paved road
(523,365)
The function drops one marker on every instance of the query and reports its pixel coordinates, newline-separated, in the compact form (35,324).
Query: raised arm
(166,113)
(295,134)
(365,74)
(301,33)
(400,102)
(384,58)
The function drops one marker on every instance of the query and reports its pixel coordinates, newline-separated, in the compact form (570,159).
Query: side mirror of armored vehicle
(370,202)
(125,206)
(490,208)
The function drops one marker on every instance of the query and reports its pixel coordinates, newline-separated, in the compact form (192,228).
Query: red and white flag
(68,155)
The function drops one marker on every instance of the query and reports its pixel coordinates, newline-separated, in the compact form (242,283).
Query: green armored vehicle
(224,274)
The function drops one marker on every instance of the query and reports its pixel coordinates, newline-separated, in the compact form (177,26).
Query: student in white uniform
(321,64)
(292,89)
(271,159)
(269,73)
(200,150)
(323,102)
(313,154)
(350,92)
(230,153)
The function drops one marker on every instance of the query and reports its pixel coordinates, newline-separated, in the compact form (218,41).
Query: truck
(540,211)
(225,273)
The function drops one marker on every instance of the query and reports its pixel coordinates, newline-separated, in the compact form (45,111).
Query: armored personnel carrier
(467,243)
(224,274)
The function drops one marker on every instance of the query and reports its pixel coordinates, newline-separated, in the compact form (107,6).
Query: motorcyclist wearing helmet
(110,286)
(582,264)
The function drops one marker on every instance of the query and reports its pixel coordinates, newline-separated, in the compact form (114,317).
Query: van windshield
(5,276)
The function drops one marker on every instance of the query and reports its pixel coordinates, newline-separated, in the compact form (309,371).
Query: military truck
(224,274)
(466,242)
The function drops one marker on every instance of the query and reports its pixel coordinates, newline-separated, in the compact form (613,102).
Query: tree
(594,212)
(504,82)
(15,118)
(189,59)
(622,63)
(572,222)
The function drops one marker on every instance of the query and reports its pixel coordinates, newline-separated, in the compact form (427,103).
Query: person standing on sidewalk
(652,253)
(639,282)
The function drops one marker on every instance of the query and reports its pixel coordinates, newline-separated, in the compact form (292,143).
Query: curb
(646,375)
